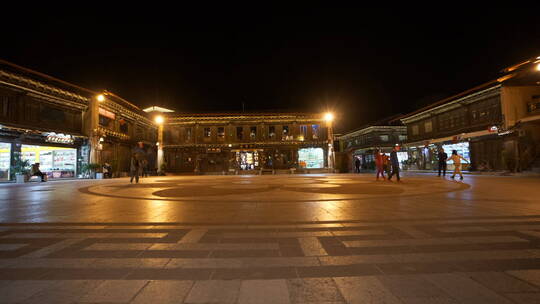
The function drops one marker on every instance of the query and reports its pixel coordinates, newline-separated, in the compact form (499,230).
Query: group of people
(390,164)
(455,158)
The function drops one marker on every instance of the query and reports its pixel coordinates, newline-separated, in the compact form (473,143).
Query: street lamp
(538,67)
(100,97)
(329,117)
(160,157)
(159,119)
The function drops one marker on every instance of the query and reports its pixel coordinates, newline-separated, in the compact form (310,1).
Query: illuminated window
(221,133)
(207,132)
(253,132)
(315,131)
(272,132)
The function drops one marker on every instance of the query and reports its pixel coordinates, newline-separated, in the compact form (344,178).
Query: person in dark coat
(135,168)
(442,156)
(395,163)
(357,165)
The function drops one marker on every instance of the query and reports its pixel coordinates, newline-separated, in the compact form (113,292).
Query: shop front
(311,158)
(56,162)
(5,160)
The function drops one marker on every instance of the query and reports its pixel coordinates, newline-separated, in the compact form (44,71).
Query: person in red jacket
(379,164)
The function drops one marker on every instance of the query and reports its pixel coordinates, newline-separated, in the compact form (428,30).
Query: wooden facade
(215,142)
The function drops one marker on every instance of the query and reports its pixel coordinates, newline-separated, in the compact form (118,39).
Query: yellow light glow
(328,116)
(159,119)
(100,97)
(538,67)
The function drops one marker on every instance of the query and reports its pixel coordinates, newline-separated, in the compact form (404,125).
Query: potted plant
(90,169)
(20,168)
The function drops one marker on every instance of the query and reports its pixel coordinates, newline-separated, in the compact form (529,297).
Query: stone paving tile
(530,276)
(64,292)
(501,282)
(217,246)
(11,246)
(214,292)
(311,246)
(253,273)
(433,241)
(411,286)
(464,289)
(163,292)
(428,300)
(366,289)
(338,271)
(51,263)
(120,246)
(264,292)
(17,291)
(193,236)
(129,263)
(169,274)
(314,290)
(524,298)
(114,291)
(83,273)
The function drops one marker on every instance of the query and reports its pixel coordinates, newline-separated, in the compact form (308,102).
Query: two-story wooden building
(362,143)
(232,142)
(40,118)
(63,126)
(479,123)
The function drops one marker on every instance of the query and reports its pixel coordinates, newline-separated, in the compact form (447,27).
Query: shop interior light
(538,67)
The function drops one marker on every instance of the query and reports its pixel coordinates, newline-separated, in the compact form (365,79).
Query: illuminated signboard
(106,113)
(58,138)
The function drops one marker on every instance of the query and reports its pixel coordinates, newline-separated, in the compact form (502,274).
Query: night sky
(363,63)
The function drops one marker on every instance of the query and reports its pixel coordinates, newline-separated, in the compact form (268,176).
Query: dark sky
(363,63)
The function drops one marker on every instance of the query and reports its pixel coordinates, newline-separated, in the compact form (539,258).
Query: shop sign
(106,113)
(59,138)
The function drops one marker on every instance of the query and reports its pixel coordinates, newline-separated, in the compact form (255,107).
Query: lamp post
(159,120)
(329,118)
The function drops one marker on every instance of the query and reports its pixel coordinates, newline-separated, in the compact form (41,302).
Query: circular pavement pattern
(273,188)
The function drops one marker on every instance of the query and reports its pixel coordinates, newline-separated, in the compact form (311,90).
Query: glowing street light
(159,119)
(329,117)
(100,97)
(538,67)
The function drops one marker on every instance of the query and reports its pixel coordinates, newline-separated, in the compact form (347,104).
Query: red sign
(493,129)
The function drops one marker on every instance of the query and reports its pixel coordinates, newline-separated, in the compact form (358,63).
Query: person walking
(456,158)
(395,164)
(442,156)
(386,164)
(357,164)
(135,168)
(379,164)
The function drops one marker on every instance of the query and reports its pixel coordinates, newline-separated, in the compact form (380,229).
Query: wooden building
(479,123)
(63,126)
(362,143)
(246,142)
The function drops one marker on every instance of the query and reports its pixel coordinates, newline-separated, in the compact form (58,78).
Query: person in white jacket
(456,158)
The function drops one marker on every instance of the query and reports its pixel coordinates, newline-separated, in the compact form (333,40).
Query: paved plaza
(334,238)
